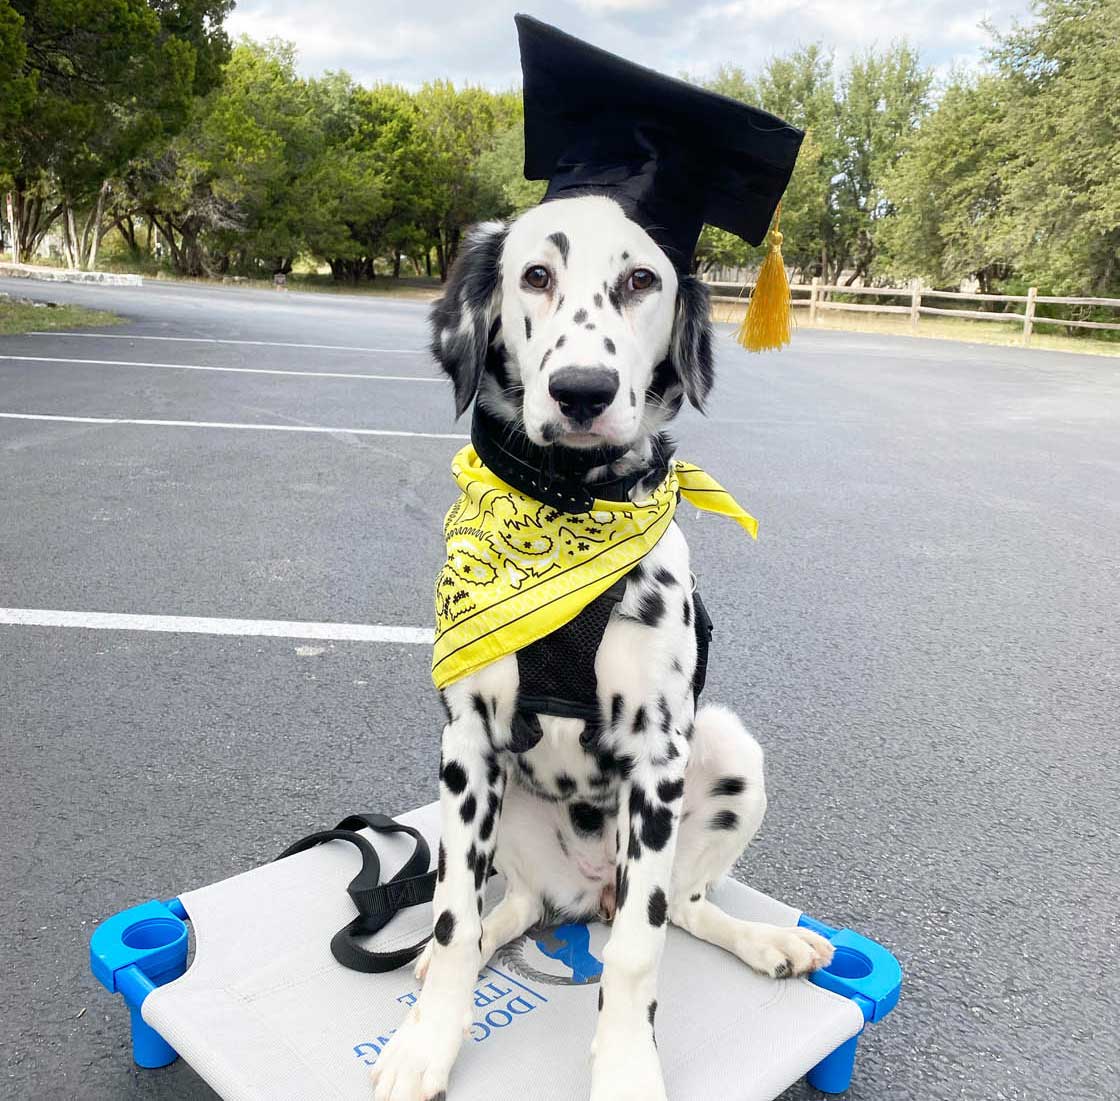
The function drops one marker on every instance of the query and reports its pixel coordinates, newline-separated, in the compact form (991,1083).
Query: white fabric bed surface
(265,1012)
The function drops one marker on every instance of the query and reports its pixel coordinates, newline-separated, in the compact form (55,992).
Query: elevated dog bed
(264,1011)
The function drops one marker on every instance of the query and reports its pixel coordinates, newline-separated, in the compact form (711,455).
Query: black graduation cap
(673,155)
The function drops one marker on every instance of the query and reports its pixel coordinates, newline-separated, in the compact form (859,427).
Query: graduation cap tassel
(767,323)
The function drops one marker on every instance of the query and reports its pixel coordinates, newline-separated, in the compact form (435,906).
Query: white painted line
(234,370)
(224,424)
(257,343)
(199,625)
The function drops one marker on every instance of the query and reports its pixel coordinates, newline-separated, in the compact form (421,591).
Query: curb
(65,275)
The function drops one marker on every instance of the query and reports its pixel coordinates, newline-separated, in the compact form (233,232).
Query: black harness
(557,673)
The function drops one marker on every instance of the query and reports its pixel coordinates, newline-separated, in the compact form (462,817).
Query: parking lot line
(233,370)
(202,625)
(257,343)
(225,424)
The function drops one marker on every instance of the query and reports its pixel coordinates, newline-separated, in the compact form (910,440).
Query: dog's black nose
(583,392)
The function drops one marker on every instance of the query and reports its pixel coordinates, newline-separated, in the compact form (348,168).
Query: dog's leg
(518,909)
(416,1063)
(724,802)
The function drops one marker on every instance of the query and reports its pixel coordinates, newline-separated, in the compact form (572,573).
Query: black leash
(377,902)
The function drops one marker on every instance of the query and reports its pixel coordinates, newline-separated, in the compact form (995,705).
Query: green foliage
(856,127)
(1061,211)
(946,193)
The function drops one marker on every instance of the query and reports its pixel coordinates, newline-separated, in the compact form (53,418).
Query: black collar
(555,476)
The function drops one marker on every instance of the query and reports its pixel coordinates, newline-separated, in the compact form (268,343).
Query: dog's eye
(537,277)
(641,279)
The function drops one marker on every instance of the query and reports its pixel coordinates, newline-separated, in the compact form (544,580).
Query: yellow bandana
(517,569)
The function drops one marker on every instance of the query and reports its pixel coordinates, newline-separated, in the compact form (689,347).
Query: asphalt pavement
(925,640)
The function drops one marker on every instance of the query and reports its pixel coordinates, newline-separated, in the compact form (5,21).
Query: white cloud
(379,41)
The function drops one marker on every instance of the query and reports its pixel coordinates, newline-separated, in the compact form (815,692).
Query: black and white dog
(572,330)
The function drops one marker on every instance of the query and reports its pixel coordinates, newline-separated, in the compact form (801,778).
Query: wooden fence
(819,299)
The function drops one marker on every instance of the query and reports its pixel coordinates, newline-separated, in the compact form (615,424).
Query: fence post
(814,293)
(1028,315)
(915,303)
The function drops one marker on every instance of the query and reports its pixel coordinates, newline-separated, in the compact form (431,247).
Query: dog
(571,330)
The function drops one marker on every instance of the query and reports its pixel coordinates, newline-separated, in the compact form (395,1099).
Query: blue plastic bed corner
(131,954)
(864,971)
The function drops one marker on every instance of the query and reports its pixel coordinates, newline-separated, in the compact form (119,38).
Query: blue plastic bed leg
(833,1074)
(131,954)
(867,973)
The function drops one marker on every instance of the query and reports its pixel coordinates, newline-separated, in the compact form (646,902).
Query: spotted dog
(572,331)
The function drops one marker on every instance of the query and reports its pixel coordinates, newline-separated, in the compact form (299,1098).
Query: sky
(383,40)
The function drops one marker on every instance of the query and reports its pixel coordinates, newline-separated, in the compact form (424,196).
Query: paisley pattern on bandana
(517,570)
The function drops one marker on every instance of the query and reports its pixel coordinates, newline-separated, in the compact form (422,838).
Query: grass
(1007,334)
(17,317)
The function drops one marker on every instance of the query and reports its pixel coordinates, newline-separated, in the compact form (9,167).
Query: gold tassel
(767,323)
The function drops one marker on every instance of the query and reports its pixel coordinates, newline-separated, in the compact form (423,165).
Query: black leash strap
(376,902)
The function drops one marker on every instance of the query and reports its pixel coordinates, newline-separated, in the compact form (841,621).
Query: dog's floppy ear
(461,319)
(690,346)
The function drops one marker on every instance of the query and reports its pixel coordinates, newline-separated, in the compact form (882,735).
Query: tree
(109,78)
(883,99)
(946,193)
(1061,213)
(459,125)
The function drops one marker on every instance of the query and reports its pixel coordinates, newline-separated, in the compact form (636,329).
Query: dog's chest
(565,768)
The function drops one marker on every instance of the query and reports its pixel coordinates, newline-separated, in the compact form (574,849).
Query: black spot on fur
(633,846)
(622,887)
(580,316)
(468,808)
(472,857)
(633,399)
(687,611)
(783,970)
(563,246)
(651,607)
(479,871)
(487,827)
(560,340)
(600,998)
(493,769)
(565,784)
(694,898)
(479,705)
(657,828)
(528,328)
(671,751)
(626,256)
(640,720)
(590,325)
(445,927)
(441,864)
(729,785)
(446,707)
(664,577)
(651,1012)
(666,714)
(616,709)
(525,766)
(657,908)
(598,300)
(669,791)
(544,358)
(724,820)
(455,777)
(586,819)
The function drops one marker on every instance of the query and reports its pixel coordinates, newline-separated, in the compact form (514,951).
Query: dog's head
(573,324)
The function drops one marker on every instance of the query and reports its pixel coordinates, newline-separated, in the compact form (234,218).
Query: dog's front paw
(416,1063)
(625,1068)
(783,953)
